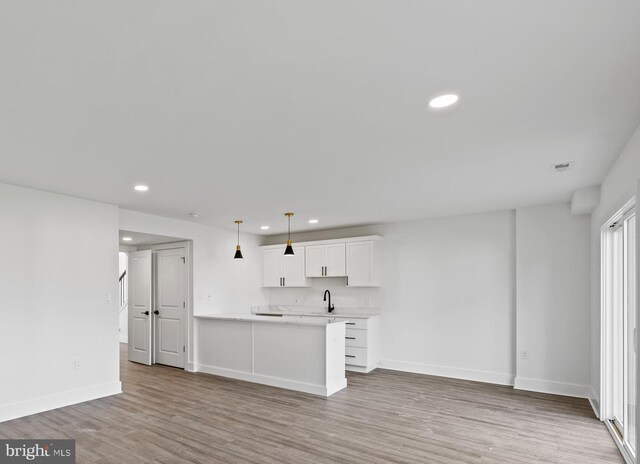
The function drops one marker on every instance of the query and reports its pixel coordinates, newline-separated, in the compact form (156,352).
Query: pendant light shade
(238,254)
(289,250)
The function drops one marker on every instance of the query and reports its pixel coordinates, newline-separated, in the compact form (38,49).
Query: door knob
(146,313)
(156,312)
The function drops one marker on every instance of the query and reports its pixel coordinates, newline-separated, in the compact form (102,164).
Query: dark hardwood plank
(166,415)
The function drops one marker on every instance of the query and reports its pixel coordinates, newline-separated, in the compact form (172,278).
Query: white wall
(618,187)
(220,283)
(447,294)
(553,280)
(64,260)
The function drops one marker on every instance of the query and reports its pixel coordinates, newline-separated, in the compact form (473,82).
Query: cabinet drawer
(354,323)
(355,337)
(355,356)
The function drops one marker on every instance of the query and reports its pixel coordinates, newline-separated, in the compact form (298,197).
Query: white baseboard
(452,372)
(273,381)
(59,400)
(594,401)
(554,388)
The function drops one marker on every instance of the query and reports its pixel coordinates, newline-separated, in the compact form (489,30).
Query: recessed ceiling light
(126,239)
(442,101)
(313,221)
(264,227)
(141,188)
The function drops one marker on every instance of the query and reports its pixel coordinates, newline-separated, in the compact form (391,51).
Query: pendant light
(238,254)
(289,250)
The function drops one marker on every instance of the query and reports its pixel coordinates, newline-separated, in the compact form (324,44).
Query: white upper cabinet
(354,258)
(272,267)
(314,255)
(279,270)
(326,260)
(293,268)
(362,270)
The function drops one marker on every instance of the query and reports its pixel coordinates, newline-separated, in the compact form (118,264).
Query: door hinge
(184,305)
(183,349)
(184,260)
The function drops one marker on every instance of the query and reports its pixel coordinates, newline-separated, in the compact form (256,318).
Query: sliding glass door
(619,329)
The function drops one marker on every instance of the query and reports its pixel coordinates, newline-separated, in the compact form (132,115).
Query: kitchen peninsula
(306,355)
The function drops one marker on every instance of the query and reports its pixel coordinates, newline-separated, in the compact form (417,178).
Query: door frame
(189,336)
(606,242)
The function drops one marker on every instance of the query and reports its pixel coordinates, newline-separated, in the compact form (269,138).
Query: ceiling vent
(561,167)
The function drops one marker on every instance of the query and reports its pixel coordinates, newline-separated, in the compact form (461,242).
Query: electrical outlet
(524,354)
(77,363)
(367,301)
(107,298)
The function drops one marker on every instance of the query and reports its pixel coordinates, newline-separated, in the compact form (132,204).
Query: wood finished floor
(166,415)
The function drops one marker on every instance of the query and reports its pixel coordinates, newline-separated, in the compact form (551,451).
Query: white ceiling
(247,109)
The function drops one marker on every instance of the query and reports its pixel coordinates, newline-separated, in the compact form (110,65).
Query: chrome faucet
(330,307)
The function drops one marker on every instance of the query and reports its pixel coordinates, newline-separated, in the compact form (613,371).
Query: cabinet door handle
(347,281)
(350,323)
(349,356)
(350,338)
(284,282)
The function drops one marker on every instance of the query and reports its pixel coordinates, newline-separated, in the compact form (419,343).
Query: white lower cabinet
(362,343)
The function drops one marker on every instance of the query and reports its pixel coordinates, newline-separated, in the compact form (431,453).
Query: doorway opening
(619,329)
(157,285)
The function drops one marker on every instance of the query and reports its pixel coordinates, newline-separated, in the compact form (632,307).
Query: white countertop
(316,321)
(313,311)
(332,315)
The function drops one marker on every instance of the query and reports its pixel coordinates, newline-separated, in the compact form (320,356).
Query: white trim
(59,400)
(594,401)
(554,388)
(366,238)
(361,369)
(273,381)
(452,372)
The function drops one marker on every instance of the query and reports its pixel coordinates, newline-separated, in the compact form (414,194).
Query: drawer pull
(350,338)
(351,323)
(349,356)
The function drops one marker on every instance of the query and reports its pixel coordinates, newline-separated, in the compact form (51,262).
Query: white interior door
(140,307)
(170,307)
